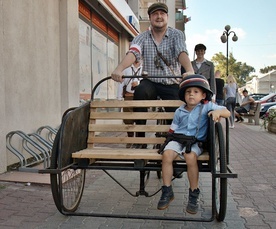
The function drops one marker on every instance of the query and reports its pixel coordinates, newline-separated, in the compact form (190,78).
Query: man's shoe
(144,146)
(241,119)
(192,206)
(166,197)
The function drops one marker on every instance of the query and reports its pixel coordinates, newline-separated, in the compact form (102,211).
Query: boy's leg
(167,172)
(193,176)
(192,169)
(167,166)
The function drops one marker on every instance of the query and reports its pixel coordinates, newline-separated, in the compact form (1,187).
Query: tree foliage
(267,69)
(236,68)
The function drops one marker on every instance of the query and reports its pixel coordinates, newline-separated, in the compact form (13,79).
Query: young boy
(190,119)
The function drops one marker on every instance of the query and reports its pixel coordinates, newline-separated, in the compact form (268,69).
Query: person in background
(190,119)
(130,84)
(230,90)
(164,50)
(245,105)
(204,67)
(239,97)
(220,88)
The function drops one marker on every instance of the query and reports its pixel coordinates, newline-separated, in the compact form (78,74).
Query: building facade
(265,83)
(53,52)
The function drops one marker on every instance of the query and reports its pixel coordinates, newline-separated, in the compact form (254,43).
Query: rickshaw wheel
(220,184)
(67,186)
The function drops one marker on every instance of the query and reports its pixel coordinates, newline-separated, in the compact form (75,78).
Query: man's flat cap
(157,6)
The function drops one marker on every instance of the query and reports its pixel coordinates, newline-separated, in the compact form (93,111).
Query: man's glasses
(157,62)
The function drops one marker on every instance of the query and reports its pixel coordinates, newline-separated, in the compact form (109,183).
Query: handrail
(129,77)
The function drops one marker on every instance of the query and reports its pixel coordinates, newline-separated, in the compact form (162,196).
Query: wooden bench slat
(124,140)
(135,103)
(128,128)
(131,115)
(128,154)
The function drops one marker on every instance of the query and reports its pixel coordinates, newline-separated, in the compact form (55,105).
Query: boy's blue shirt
(186,122)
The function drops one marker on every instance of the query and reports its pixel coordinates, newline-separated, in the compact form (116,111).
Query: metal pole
(225,38)
(227,35)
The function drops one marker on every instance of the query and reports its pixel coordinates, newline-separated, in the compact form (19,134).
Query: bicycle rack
(35,149)
(51,133)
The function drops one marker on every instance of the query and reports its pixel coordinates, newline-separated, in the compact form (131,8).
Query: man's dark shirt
(219,86)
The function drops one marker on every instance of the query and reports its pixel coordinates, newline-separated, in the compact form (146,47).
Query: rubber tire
(220,184)
(56,184)
(54,177)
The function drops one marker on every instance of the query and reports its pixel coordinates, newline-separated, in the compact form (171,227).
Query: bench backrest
(254,108)
(106,118)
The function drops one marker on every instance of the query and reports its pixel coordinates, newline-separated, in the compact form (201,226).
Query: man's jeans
(148,90)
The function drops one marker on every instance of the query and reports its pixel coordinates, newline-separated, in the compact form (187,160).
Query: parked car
(268,98)
(265,107)
(257,96)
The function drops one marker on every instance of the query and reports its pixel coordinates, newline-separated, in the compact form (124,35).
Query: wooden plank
(125,140)
(128,128)
(135,103)
(131,115)
(125,154)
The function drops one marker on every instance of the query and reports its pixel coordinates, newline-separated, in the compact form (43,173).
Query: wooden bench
(107,137)
(253,114)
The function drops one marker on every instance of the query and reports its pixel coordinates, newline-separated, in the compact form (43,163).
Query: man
(219,87)
(245,106)
(164,51)
(204,67)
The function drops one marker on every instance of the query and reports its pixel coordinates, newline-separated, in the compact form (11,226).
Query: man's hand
(127,61)
(187,74)
(117,76)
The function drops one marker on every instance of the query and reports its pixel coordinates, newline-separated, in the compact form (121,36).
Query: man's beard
(159,27)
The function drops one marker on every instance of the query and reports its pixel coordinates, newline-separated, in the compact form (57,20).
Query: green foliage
(267,69)
(239,70)
(269,117)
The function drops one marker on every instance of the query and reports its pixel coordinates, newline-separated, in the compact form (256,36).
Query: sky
(253,21)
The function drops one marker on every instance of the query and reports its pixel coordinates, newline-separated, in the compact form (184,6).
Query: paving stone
(251,197)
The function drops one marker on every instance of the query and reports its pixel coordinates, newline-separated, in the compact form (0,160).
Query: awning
(113,8)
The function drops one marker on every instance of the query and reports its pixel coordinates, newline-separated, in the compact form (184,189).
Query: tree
(267,69)
(239,70)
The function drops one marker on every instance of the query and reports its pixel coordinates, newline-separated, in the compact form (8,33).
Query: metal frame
(65,162)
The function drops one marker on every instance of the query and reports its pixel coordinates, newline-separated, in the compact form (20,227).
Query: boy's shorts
(178,148)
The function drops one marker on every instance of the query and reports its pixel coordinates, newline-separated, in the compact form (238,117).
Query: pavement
(26,200)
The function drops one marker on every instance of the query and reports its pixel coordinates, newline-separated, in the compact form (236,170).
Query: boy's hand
(215,115)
